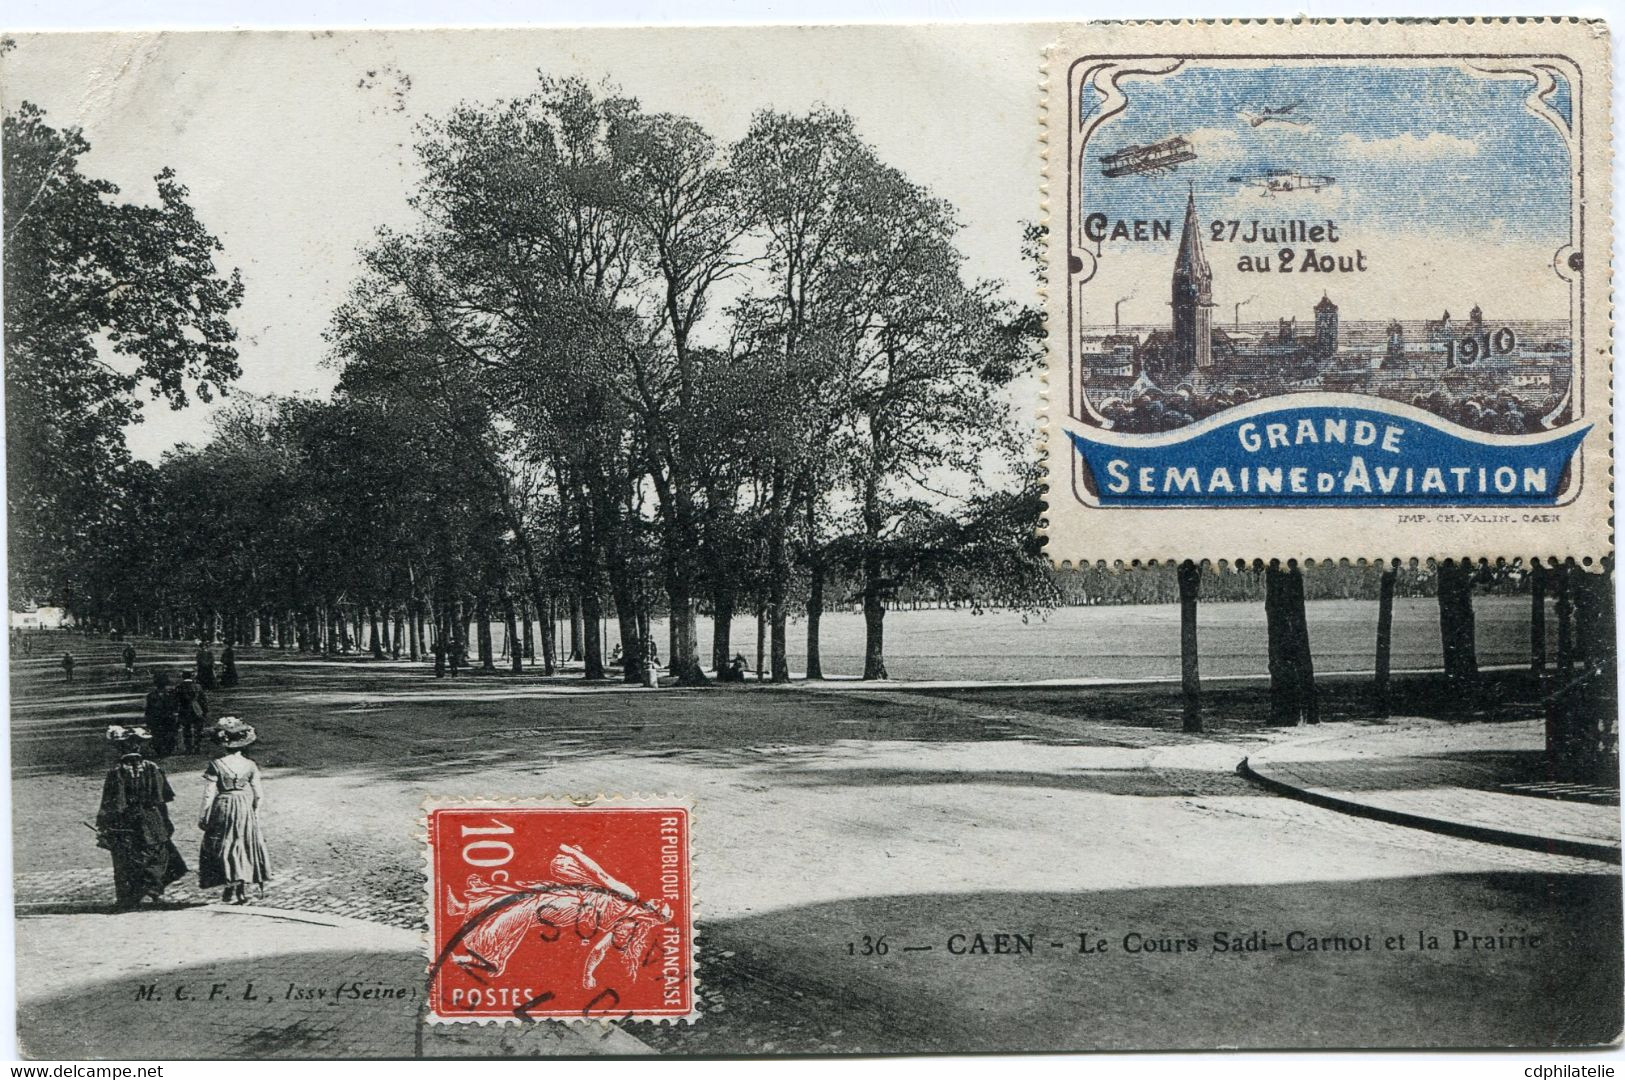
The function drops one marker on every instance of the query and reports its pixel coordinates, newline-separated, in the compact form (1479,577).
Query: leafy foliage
(102,298)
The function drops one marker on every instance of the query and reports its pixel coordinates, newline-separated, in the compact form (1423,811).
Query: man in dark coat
(159,715)
(228,666)
(67,666)
(129,661)
(205,666)
(191,711)
(133,822)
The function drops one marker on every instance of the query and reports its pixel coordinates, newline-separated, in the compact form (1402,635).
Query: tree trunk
(516,652)
(626,618)
(1456,630)
(458,635)
(1291,679)
(761,633)
(528,645)
(1537,618)
(874,635)
(1190,680)
(815,613)
(482,615)
(1565,619)
(1599,691)
(683,658)
(776,615)
(722,616)
(778,579)
(1304,655)
(1385,635)
(576,617)
(549,653)
(587,616)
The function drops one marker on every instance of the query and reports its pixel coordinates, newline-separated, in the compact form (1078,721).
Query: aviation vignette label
(1330,302)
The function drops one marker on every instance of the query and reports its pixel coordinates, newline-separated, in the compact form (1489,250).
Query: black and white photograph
(538,543)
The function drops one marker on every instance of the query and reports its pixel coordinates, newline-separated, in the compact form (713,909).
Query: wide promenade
(1048,869)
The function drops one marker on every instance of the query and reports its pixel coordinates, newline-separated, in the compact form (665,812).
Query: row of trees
(106,302)
(615,367)
(1582,720)
(615,370)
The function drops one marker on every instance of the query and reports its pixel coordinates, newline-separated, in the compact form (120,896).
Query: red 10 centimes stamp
(560,910)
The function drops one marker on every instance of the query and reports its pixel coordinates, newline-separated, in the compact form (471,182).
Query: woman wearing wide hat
(233,854)
(133,821)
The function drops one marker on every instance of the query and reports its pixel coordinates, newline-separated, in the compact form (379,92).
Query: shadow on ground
(1564,992)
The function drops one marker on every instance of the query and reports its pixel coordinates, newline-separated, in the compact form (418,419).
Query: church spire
(1191,268)
(1192,296)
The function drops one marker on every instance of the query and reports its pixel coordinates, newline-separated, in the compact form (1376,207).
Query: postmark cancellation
(1328,290)
(560,910)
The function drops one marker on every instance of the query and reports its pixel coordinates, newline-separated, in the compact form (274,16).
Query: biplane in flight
(1164,156)
(1272,182)
(1280,114)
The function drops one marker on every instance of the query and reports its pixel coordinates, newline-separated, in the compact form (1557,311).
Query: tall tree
(102,299)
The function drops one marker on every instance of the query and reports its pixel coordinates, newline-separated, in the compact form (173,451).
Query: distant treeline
(1086,586)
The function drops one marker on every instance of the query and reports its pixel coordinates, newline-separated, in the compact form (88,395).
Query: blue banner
(1327,456)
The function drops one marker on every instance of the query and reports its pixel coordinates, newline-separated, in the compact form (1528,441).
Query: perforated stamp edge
(1236,536)
(542,802)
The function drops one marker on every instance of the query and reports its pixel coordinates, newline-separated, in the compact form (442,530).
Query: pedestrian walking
(233,854)
(133,821)
(159,715)
(440,659)
(205,666)
(67,666)
(129,662)
(191,711)
(228,666)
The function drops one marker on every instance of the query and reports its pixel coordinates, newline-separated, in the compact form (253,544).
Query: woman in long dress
(133,821)
(233,853)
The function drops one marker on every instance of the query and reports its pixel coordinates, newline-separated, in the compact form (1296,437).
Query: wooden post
(1190,580)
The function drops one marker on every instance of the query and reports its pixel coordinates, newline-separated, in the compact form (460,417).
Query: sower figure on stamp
(582,897)
(233,854)
(159,713)
(133,821)
(191,710)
